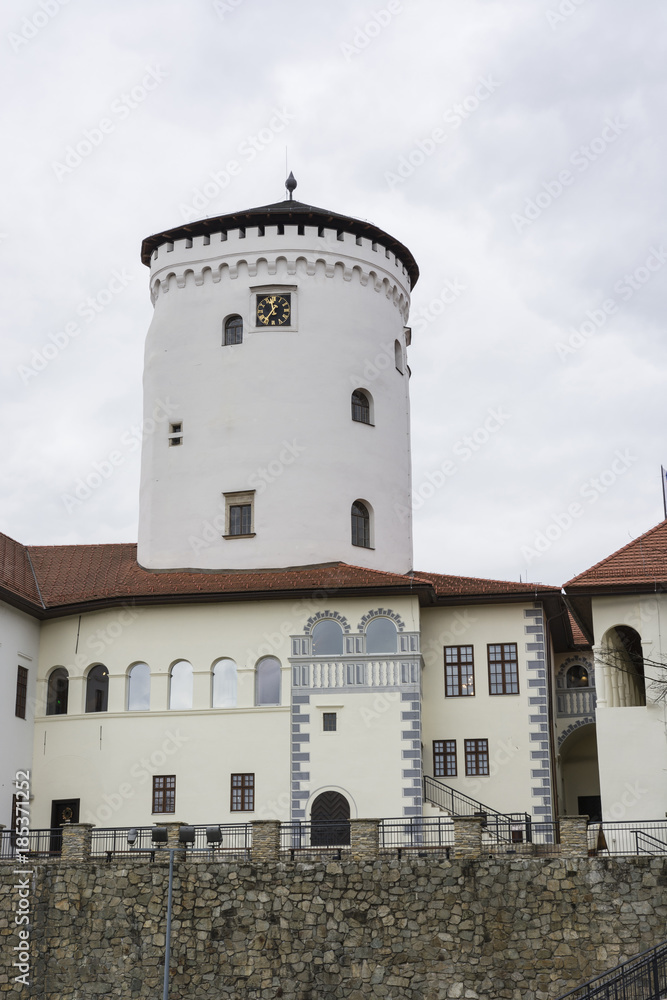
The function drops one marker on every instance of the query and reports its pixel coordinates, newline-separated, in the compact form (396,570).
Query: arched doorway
(330,820)
(580,776)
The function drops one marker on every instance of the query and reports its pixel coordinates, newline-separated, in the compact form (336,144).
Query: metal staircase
(643,977)
(504,828)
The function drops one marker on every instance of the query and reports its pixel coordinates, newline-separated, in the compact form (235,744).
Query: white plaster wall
(19,646)
(279,402)
(632,741)
(501,719)
(362,759)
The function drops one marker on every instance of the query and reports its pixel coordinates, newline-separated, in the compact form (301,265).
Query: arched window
(398,356)
(97,689)
(381,636)
(577,676)
(233,331)
(58,689)
(267,681)
(361,407)
(327,638)
(180,685)
(361,524)
(224,684)
(139,688)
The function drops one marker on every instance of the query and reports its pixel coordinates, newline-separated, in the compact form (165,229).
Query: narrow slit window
(175,434)
(233,333)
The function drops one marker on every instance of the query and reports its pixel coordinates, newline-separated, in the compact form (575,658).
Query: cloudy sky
(517,147)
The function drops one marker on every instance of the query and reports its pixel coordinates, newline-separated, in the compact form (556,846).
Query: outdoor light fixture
(186,835)
(160,835)
(213,835)
(132,836)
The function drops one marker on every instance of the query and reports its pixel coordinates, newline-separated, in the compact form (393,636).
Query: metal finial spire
(290,184)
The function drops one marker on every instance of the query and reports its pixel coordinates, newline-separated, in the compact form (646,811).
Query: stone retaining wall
(415,929)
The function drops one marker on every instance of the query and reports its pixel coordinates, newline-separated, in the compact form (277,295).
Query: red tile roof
(640,562)
(73,575)
(579,640)
(450,586)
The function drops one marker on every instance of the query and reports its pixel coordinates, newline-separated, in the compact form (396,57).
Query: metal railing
(220,841)
(43,843)
(420,835)
(120,840)
(646,837)
(330,837)
(643,977)
(213,842)
(504,828)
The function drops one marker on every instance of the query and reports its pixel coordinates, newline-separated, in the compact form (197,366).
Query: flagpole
(664,491)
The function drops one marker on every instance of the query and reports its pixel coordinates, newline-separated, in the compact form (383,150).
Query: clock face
(273,310)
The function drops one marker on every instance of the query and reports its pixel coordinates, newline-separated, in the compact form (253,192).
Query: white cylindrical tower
(276,404)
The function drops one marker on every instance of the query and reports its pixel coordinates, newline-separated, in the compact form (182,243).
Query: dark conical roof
(286,213)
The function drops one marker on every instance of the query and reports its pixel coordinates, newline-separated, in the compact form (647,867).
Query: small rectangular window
(164,793)
(329,722)
(459,672)
(175,434)
(239,511)
(444,758)
(477,756)
(21,692)
(503,668)
(242,793)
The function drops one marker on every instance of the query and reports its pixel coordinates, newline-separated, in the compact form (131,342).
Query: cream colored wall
(19,642)
(107,759)
(501,719)
(363,758)
(632,741)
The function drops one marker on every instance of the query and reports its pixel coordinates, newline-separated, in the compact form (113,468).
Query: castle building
(267,650)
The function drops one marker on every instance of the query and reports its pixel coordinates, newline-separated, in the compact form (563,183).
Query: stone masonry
(422,928)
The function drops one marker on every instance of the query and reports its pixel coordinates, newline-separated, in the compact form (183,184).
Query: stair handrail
(475,808)
(653,961)
(651,839)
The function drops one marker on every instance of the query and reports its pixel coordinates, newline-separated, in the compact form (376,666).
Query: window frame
(327,718)
(354,527)
(21,702)
(242,794)
(52,692)
(444,759)
(229,325)
(244,498)
(459,665)
(477,757)
(503,678)
(360,407)
(164,794)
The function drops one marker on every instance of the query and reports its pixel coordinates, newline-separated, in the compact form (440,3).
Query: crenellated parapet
(271,251)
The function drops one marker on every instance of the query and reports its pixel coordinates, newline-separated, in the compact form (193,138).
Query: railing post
(467,836)
(529,829)
(573,836)
(265,840)
(364,838)
(77,841)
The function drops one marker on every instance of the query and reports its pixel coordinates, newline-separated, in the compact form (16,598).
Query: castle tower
(276,398)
